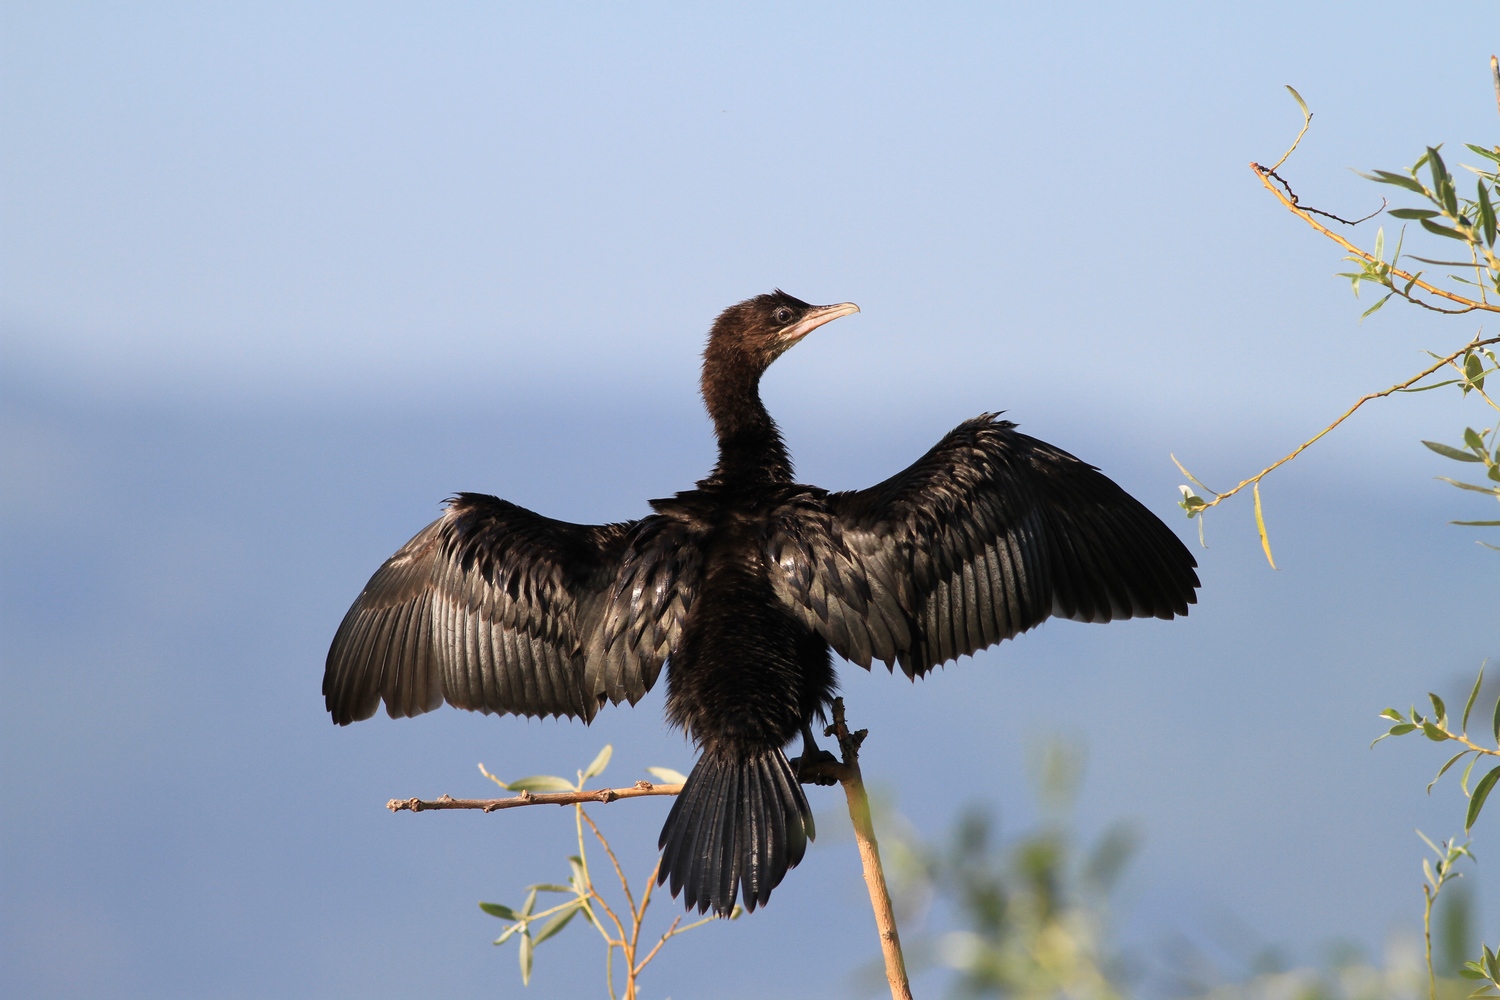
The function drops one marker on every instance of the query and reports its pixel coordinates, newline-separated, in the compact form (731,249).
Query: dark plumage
(742,586)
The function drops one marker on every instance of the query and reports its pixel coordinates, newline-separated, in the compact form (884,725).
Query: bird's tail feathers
(739,823)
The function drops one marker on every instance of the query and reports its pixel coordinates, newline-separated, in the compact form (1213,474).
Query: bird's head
(756,332)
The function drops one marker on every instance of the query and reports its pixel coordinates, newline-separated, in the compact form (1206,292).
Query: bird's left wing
(985,536)
(495,608)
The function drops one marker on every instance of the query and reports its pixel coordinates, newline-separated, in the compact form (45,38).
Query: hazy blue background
(276,279)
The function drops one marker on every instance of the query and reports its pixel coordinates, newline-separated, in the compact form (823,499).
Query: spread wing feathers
(495,608)
(984,537)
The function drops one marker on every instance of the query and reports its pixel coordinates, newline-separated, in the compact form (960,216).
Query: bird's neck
(750,446)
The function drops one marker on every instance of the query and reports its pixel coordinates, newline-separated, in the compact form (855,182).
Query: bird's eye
(783,315)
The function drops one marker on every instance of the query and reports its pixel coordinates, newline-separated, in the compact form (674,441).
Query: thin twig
(1346,415)
(1271,171)
(639,789)
(619,872)
(640,916)
(1470,305)
(671,930)
(1306,123)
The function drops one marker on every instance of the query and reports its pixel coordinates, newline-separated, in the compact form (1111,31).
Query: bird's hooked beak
(815,318)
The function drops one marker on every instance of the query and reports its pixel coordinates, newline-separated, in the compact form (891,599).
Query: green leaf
(1379,244)
(1433,227)
(1474,372)
(558,922)
(496,910)
(1481,792)
(1414,213)
(1392,714)
(526,946)
(1469,705)
(1468,486)
(1260,526)
(1444,769)
(1448,451)
(1471,436)
(1433,733)
(580,877)
(540,783)
(1401,730)
(1477,524)
(1486,214)
(1441,179)
(548,887)
(1300,102)
(667,776)
(1493,155)
(1496,724)
(600,762)
(1376,305)
(1399,180)
(1438,706)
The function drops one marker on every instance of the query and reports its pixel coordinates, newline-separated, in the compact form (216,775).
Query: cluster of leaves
(1436,727)
(621,934)
(1469,221)
(1476,448)
(1439,870)
(1487,970)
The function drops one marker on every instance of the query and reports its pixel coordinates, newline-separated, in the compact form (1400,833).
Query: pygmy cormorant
(740,587)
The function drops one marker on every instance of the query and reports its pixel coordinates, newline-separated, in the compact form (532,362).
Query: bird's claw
(816,768)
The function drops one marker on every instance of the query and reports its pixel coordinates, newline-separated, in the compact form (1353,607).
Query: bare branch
(869,852)
(638,790)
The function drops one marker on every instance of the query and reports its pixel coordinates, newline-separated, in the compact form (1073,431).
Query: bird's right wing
(985,536)
(495,608)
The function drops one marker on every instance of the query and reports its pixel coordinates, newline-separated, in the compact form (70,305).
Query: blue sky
(275,280)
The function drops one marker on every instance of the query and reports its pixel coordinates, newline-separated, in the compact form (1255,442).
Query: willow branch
(1265,173)
(636,791)
(1476,342)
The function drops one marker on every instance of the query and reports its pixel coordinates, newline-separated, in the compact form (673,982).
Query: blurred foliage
(1032,912)
(1029,918)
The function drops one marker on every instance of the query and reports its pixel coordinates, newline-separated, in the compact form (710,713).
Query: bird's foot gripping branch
(620,926)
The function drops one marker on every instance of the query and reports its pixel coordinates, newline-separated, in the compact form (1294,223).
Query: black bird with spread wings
(741,588)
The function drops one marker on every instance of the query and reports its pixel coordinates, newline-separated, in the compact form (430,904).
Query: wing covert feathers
(495,608)
(986,536)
